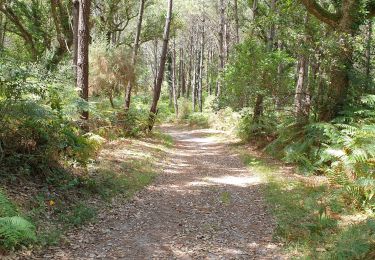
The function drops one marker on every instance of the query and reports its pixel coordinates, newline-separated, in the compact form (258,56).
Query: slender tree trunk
(155,62)
(3,29)
(159,81)
(83,52)
(191,53)
(134,57)
(201,69)
(182,72)
(174,79)
(258,108)
(194,83)
(75,14)
(221,45)
(170,77)
(368,56)
(208,61)
(226,41)
(236,21)
(302,95)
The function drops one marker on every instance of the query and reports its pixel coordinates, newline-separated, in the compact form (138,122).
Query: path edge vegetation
(312,222)
(31,222)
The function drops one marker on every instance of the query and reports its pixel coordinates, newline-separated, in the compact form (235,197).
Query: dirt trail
(204,205)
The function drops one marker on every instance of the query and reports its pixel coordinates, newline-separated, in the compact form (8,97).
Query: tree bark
(170,77)
(3,28)
(236,19)
(134,57)
(195,81)
(190,80)
(83,52)
(368,56)
(301,100)
(221,45)
(182,80)
(258,108)
(201,69)
(157,89)
(75,21)
(174,79)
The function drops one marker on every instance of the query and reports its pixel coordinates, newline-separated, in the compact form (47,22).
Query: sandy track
(204,205)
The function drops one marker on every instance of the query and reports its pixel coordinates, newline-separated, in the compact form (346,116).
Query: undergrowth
(15,230)
(310,216)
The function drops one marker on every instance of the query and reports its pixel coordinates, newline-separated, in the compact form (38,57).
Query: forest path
(204,205)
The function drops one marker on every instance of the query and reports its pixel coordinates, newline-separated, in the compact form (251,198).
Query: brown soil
(204,204)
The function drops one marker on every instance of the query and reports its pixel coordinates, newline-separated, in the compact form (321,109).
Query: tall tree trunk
(155,50)
(201,68)
(170,77)
(75,21)
(208,78)
(174,79)
(226,41)
(236,19)
(368,56)
(258,108)
(195,82)
(83,52)
(302,95)
(221,45)
(134,57)
(190,80)
(3,29)
(157,89)
(182,72)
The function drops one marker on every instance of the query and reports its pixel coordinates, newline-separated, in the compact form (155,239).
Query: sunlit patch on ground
(244,181)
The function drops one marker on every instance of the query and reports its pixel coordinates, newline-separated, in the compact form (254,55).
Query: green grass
(166,139)
(79,215)
(305,217)
(225,198)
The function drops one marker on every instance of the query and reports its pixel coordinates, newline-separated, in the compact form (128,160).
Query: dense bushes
(36,128)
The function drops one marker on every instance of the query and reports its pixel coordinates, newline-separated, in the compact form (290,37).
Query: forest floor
(204,204)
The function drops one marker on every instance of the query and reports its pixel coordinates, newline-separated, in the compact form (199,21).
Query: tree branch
(322,14)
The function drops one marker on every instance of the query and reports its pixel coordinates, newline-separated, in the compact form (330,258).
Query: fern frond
(16,231)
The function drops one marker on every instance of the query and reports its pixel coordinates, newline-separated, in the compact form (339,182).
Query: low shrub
(15,230)
(198,120)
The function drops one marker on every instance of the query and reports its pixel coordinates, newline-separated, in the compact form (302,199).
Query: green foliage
(14,230)
(198,120)
(356,242)
(36,126)
(80,214)
(7,208)
(306,217)
(253,70)
(248,130)
(107,184)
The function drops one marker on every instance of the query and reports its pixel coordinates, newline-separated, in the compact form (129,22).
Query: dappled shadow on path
(205,205)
